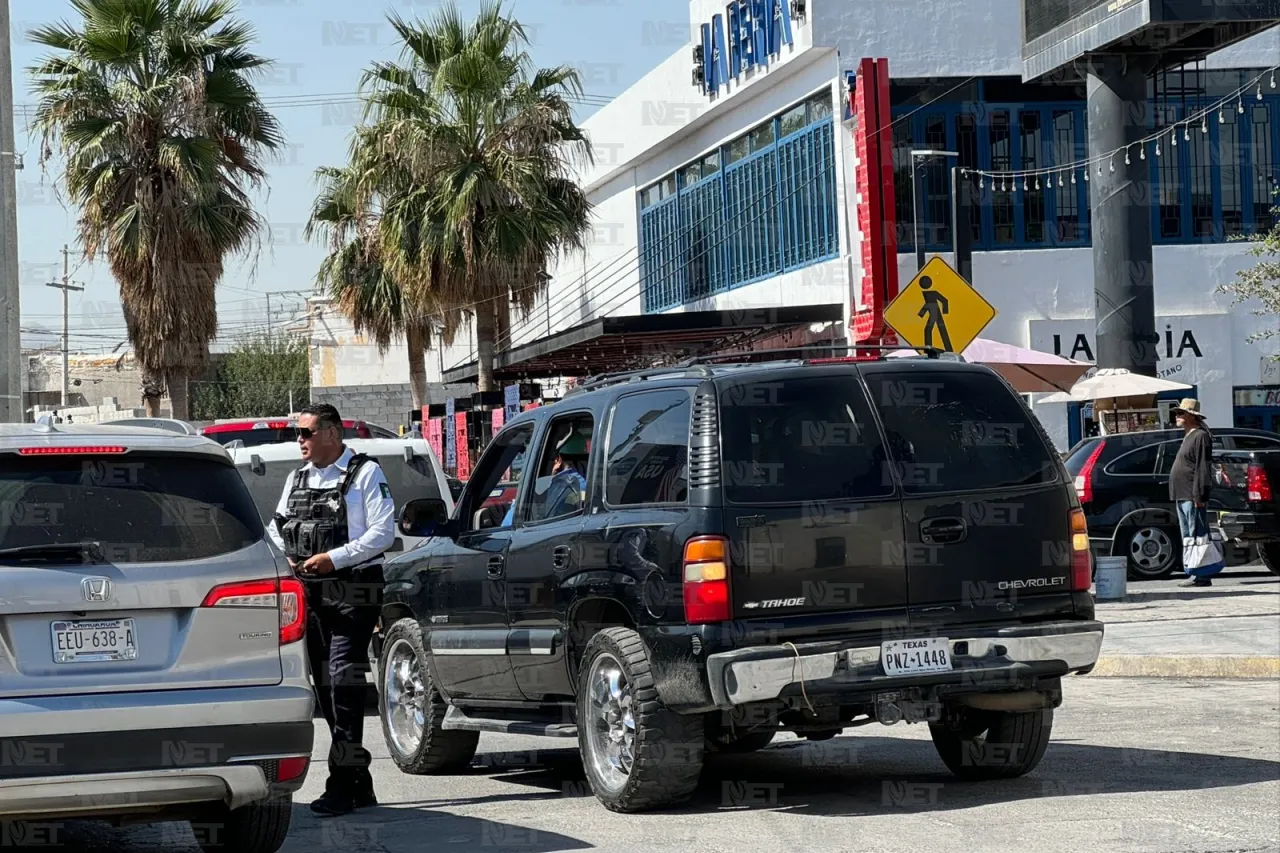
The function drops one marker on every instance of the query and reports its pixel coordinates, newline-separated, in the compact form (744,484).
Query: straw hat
(1188,406)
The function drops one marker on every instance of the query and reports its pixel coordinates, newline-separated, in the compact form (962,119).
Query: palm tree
(354,276)
(149,104)
(486,147)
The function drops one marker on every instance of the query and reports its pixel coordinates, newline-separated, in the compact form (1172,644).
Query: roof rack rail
(603,380)
(930,352)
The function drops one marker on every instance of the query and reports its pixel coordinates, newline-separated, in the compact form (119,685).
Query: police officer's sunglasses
(303,432)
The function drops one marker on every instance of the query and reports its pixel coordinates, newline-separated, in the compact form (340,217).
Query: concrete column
(1120,201)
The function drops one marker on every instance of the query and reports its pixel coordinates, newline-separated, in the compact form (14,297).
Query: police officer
(335,520)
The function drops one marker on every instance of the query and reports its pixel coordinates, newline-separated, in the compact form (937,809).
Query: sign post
(939,310)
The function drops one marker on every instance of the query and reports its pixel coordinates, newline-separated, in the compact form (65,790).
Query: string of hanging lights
(1002,181)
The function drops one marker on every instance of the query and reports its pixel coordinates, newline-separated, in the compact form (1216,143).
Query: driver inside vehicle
(566,489)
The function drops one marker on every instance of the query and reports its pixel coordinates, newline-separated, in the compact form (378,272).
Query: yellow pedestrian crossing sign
(939,309)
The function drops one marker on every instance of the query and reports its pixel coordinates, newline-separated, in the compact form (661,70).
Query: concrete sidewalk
(1228,630)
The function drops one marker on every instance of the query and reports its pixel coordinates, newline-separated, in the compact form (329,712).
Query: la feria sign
(1193,348)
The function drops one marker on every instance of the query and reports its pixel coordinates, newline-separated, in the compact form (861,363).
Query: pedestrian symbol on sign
(935,305)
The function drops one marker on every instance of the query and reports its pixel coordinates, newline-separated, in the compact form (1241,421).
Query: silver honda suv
(152,654)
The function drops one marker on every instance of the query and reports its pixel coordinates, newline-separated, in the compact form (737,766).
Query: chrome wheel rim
(1151,550)
(404,697)
(610,723)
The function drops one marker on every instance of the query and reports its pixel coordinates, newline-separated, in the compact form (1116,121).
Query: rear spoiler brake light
(71,450)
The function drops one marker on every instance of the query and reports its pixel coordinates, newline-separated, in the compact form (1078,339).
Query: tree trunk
(485,333)
(178,396)
(152,391)
(416,341)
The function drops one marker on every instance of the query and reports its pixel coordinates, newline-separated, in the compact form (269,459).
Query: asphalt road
(1135,765)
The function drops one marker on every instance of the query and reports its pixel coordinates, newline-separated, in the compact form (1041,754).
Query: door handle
(560,557)
(497,565)
(943,531)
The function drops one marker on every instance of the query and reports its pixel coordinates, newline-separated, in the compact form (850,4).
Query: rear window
(959,431)
(800,440)
(1075,461)
(142,508)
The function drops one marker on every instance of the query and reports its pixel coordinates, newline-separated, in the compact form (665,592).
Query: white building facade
(743,197)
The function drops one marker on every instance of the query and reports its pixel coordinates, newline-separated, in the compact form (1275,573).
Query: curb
(1207,666)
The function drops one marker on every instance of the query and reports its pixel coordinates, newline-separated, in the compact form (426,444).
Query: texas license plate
(912,657)
(94,640)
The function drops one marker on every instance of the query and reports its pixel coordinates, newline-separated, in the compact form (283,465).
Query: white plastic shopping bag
(1201,557)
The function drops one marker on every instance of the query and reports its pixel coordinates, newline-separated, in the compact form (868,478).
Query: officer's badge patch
(385,490)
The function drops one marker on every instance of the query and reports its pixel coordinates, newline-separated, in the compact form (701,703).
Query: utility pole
(66,287)
(11,410)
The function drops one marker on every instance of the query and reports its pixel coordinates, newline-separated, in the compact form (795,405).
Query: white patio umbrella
(1112,382)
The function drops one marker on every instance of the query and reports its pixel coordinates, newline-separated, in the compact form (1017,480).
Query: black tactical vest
(317,519)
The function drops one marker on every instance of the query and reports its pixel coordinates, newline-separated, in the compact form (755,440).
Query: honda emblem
(96,589)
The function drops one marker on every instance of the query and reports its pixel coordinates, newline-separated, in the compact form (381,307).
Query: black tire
(1166,566)
(1269,552)
(438,751)
(667,748)
(724,744)
(256,828)
(1013,744)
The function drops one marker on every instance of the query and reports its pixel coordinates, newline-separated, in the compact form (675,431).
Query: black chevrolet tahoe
(802,546)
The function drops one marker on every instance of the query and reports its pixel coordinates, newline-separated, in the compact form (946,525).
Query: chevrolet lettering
(1031,583)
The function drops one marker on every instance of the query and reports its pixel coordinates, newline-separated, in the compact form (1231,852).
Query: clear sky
(320,48)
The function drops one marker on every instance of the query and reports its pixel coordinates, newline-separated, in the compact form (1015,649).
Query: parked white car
(411,468)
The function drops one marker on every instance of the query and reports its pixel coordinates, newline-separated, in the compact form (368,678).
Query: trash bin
(1111,578)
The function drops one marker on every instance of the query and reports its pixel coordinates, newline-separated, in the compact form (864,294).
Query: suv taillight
(284,595)
(1084,480)
(1257,483)
(1081,555)
(706,580)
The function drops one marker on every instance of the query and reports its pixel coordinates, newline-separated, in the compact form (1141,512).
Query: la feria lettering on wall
(750,34)
(1192,348)
(1081,348)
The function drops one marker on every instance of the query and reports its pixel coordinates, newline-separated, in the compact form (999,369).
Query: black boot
(334,804)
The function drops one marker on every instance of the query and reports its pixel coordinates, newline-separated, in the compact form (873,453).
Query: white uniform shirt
(371,511)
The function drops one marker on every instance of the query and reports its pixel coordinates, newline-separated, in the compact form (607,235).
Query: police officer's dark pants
(344,610)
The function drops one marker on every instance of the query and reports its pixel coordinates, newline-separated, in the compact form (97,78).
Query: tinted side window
(1255,442)
(648,452)
(959,431)
(142,507)
(800,440)
(1135,463)
(1171,452)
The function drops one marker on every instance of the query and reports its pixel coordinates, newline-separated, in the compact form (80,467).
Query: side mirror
(423,517)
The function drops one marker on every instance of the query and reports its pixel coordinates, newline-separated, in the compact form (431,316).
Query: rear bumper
(114,794)
(1250,526)
(983,661)
(144,752)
